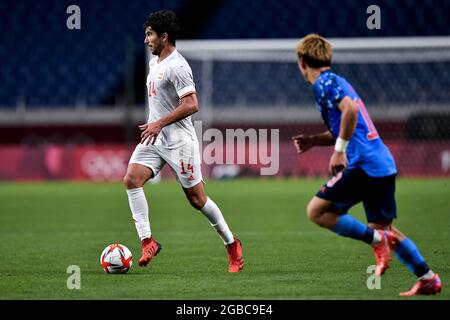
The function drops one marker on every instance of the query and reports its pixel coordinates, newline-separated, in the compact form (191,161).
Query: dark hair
(316,63)
(164,21)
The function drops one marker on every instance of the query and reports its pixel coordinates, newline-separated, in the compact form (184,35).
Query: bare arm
(188,106)
(349,117)
(323,139)
(305,142)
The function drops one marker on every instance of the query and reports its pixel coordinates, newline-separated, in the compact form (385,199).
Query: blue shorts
(353,186)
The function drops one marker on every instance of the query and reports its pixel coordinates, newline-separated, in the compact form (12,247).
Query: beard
(156,51)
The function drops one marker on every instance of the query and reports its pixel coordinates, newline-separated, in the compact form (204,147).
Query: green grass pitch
(46,227)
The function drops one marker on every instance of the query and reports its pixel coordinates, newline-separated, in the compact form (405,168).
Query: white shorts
(184,161)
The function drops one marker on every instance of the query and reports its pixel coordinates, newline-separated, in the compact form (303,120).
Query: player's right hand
(149,132)
(302,143)
(338,163)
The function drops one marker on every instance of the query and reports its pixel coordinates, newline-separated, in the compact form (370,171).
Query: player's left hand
(150,131)
(338,163)
(303,143)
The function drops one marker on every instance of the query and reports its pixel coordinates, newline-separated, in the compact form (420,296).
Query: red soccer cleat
(382,251)
(235,258)
(426,286)
(150,248)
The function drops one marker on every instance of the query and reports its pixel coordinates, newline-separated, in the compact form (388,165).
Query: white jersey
(167,82)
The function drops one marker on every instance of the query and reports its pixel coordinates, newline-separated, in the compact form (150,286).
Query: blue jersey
(365,150)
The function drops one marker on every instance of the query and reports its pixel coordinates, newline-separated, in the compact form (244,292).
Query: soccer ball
(116,258)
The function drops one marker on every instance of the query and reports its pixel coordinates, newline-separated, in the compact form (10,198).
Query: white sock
(427,276)
(376,237)
(215,217)
(139,209)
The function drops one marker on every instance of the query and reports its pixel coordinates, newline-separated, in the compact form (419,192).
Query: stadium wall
(108,162)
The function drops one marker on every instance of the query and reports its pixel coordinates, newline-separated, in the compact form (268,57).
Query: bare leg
(320,212)
(323,213)
(137,175)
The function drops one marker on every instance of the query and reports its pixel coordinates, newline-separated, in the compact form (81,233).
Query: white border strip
(291,44)
(224,115)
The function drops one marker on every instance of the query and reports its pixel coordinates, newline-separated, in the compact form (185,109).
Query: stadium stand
(291,19)
(45,65)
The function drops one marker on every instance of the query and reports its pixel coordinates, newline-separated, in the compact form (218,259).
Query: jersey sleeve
(182,79)
(329,93)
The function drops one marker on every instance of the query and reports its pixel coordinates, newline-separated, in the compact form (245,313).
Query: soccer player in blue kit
(362,169)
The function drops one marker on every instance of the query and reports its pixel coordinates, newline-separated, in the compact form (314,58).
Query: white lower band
(340,145)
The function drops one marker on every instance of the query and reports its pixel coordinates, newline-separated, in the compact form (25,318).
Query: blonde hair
(315,51)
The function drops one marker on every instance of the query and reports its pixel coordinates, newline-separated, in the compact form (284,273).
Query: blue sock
(408,254)
(348,226)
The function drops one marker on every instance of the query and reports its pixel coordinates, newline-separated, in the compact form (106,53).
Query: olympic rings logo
(107,165)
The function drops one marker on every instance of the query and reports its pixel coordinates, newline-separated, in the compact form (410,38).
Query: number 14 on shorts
(186,171)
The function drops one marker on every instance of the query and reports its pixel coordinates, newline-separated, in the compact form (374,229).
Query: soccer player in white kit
(169,137)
